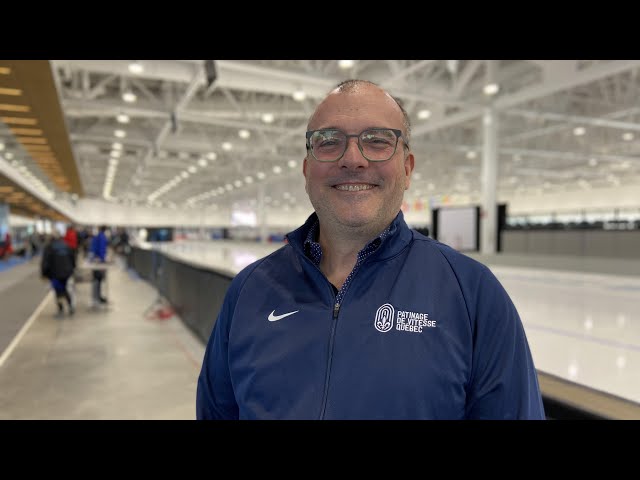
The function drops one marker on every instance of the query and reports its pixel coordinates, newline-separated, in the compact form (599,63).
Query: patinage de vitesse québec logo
(387,319)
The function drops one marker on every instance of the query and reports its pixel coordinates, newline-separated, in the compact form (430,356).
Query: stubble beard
(361,220)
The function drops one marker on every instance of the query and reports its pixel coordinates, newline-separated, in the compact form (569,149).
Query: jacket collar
(399,236)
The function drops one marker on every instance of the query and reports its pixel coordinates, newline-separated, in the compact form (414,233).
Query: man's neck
(340,248)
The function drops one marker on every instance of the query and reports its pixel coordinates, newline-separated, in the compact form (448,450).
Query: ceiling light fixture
(491,89)
(15,92)
(345,64)
(32,140)
(452,66)
(424,114)
(26,131)
(19,120)
(9,107)
(491,86)
(37,148)
(299,95)
(129,96)
(136,68)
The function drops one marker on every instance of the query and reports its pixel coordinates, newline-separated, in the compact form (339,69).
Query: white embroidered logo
(273,318)
(405,321)
(384,318)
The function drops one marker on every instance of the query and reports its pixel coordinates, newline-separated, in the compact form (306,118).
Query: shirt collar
(313,251)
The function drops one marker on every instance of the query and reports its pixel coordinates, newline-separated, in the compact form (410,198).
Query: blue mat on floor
(11,262)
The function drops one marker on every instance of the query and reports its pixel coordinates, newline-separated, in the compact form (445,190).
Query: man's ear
(409,163)
(304,172)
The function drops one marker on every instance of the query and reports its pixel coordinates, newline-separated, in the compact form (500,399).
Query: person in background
(359,316)
(98,254)
(71,239)
(123,242)
(57,264)
(84,241)
(6,248)
(34,242)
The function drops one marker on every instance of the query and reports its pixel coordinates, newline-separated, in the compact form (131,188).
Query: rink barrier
(195,293)
(565,400)
(604,244)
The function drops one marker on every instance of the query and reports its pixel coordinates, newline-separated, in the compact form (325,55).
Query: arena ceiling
(177,133)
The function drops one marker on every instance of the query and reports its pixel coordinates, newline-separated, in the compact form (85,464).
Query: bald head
(363,88)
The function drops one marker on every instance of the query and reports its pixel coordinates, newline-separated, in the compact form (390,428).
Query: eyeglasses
(375,144)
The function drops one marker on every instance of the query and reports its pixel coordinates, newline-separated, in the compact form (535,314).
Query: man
(98,254)
(358,316)
(58,263)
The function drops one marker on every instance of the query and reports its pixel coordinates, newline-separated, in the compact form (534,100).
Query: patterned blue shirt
(314,253)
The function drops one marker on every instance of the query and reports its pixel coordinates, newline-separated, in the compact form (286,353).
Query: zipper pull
(336,309)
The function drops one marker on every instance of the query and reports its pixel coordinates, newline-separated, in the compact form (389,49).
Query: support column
(488,221)
(262,214)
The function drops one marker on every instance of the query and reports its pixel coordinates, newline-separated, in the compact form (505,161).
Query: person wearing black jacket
(58,264)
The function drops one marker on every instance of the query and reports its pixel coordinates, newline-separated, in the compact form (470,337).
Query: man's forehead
(349,104)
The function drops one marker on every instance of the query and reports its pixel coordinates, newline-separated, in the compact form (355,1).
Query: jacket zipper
(325,394)
(336,311)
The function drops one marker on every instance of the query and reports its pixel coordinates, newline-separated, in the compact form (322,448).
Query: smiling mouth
(354,187)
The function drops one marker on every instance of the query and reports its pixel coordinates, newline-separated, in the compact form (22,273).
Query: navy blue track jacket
(423,332)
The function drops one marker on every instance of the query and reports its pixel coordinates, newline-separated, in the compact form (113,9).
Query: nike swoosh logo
(273,318)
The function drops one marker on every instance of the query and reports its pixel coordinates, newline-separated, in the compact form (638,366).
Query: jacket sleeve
(215,399)
(504,381)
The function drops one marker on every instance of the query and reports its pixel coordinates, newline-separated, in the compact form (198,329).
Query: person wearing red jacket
(71,239)
(6,249)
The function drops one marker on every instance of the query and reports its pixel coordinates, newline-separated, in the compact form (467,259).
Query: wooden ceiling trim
(39,100)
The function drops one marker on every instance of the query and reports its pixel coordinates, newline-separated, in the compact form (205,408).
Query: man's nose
(353,157)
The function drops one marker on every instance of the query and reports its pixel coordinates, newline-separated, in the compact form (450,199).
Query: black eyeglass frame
(398,133)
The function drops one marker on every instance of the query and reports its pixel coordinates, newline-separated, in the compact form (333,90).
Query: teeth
(354,188)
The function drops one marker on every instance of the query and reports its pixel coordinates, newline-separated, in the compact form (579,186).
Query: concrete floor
(113,363)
